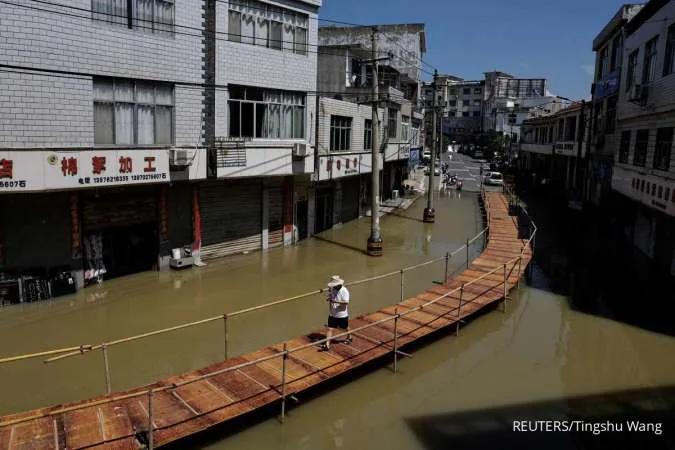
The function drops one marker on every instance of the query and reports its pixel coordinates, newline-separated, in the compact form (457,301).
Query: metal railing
(392,344)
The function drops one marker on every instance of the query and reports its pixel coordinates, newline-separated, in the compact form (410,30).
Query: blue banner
(414,156)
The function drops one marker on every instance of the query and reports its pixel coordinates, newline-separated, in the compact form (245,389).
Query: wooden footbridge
(184,405)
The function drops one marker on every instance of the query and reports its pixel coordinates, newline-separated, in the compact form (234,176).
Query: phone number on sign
(13,184)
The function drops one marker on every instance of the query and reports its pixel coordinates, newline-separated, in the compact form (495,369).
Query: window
(603,64)
(465,114)
(624,147)
(266,113)
(561,129)
(664,143)
(649,66)
(610,115)
(340,133)
(640,154)
(452,103)
(631,70)
(669,62)
(476,102)
(255,23)
(617,53)
(405,125)
(128,112)
(368,134)
(392,123)
(153,16)
(466,91)
(453,91)
(476,91)
(476,113)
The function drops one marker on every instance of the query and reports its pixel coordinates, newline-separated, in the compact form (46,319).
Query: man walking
(338,314)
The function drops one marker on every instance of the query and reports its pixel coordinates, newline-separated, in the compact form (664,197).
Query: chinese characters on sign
(7,175)
(331,167)
(46,170)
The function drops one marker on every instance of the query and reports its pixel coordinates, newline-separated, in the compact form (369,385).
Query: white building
(644,170)
(104,103)
(552,145)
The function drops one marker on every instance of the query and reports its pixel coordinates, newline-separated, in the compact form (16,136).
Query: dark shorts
(338,322)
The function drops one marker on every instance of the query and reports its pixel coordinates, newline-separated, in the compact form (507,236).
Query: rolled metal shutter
(231,212)
(351,190)
(108,208)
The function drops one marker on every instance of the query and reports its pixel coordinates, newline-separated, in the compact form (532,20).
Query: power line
(55,73)
(202,35)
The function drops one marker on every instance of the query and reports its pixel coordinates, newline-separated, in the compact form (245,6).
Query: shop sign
(566,148)
(656,192)
(608,86)
(331,167)
(48,170)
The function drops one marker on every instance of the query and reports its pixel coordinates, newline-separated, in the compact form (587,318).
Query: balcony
(544,149)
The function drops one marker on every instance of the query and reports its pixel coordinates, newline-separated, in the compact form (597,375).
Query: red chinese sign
(126,165)
(98,165)
(149,160)
(69,166)
(6,168)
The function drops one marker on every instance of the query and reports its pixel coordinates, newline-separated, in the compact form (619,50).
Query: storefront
(120,231)
(231,216)
(106,215)
(351,191)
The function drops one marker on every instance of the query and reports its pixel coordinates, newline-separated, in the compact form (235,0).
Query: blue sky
(530,38)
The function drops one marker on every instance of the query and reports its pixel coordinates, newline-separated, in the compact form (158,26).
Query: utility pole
(429,212)
(374,246)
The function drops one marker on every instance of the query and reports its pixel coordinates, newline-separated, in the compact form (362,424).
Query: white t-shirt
(339,301)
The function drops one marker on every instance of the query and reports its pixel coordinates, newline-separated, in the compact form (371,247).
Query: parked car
(437,171)
(494,179)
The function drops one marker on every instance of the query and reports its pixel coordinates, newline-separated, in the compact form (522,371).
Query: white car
(494,179)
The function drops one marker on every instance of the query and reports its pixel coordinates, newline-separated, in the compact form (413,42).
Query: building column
(288,209)
(265,219)
(311,211)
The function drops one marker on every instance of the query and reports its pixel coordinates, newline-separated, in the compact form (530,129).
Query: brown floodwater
(148,301)
(539,350)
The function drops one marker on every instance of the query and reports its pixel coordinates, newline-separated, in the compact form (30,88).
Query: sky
(549,39)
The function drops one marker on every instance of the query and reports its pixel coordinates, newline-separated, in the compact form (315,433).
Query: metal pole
(106,364)
(459,309)
(226,334)
(402,284)
(283,384)
(151,431)
(467,253)
(505,289)
(429,213)
(447,262)
(395,340)
(374,245)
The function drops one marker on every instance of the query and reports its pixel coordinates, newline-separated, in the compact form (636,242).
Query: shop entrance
(119,232)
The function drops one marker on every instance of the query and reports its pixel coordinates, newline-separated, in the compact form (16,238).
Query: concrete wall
(358,113)
(404,41)
(57,111)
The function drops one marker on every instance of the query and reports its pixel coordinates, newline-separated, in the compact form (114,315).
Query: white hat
(335,280)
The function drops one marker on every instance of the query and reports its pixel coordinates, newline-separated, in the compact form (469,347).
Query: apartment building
(345,74)
(608,46)
(263,64)
(107,116)
(644,165)
(552,147)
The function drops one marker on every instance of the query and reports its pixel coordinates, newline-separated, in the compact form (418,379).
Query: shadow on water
(339,244)
(481,429)
(586,259)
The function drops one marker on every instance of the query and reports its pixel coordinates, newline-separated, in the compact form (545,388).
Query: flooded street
(538,355)
(149,301)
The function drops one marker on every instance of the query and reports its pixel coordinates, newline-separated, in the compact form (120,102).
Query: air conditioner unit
(178,157)
(299,150)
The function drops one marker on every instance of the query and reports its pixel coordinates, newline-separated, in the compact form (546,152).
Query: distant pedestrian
(338,313)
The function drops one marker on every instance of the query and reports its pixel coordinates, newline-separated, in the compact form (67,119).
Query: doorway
(324,211)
